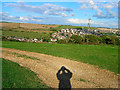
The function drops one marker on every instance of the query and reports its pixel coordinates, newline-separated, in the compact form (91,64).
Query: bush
(114,40)
(110,40)
(76,39)
(92,39)
(62,41)
(53,29)
(103,39)
(3,38)
(10,29)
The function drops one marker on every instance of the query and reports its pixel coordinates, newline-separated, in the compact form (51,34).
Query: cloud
(23,18)
(45,9)
(104,10)
(108,7)
(98,1)
(27,19)
(97,23)
(77,21)
(82,21)
(5,16)
(56,20)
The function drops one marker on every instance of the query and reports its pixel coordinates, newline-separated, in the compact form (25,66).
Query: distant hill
(42,27)
(5,22)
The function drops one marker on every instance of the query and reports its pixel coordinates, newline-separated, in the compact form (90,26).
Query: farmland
(96,61)
(103,56)
(22,34)
(26,27)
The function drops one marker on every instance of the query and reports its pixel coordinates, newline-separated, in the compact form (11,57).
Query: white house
(35,40)
(53,40)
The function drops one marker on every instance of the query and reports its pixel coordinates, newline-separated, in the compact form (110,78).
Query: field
(96,64)
(15,76)
(69,26)
(22,34)
(104,56)
(27,27)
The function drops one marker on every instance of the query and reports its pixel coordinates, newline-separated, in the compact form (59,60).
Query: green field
(69,26)
(21,34)
(15,76)
(104,56)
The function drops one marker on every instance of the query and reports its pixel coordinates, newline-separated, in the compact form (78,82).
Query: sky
(102,13)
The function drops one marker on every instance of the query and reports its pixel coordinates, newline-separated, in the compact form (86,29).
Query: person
(64,78)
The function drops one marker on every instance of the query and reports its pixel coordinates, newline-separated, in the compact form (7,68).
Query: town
(64,34)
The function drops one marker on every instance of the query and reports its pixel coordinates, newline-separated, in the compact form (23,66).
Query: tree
(103,39)
(114,40)
(91,39)
(76,39)
(61,41)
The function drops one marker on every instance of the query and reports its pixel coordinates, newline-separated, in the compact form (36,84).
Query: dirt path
(46,67)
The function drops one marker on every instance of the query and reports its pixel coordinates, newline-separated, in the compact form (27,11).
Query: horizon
(56,24)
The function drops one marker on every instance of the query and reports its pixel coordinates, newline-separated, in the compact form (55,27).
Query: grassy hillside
(27,27)
(15,76)
(79,27)
(103,56)
(22,34)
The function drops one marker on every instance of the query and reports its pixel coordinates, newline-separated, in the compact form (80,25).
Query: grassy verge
(104,56)
(15,76)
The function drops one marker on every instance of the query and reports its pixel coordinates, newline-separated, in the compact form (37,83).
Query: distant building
(35,40)
(53,40)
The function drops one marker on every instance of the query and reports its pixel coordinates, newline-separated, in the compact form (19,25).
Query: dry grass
(106,29)
(27,25)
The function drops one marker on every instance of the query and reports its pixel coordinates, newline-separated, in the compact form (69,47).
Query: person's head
(63,69)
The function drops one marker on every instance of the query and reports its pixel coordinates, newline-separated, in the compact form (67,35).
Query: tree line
(91,39)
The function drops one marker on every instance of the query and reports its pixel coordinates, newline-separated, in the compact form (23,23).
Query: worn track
(46,67)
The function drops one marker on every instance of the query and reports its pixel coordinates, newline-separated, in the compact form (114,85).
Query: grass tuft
(82,80)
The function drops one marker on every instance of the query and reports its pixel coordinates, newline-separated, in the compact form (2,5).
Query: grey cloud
(108,8)
(51,20)
(5,16)
(45,9)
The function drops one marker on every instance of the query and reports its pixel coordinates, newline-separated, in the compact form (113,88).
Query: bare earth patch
(46,67)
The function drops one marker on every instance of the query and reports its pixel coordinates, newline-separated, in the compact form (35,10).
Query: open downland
(46,67)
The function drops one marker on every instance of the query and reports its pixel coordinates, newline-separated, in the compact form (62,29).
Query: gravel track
(46,67)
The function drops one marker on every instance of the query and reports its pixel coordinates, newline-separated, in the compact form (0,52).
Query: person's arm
(70,73)
(58,74)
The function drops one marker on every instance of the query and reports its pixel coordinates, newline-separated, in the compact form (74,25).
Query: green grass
(104,56)
(15,76)
(21,34)
(69,26)
(82,80)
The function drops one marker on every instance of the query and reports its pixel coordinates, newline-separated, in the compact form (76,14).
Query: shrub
(10,29)
(76,39)
(62,41)
(91,39)
(114,40)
